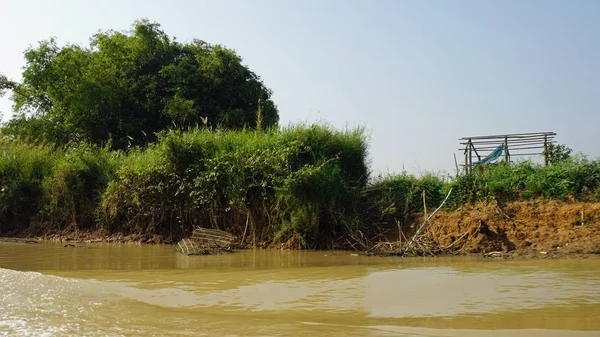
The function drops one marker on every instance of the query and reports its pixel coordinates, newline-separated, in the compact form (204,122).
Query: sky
(418,75)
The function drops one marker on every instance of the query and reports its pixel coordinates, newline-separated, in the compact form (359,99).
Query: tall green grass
(23,168)
(576,178)
(301,183)
(44,187)
(297,183)
(308,186)
(396,196)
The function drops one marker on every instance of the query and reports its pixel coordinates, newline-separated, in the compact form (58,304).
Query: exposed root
(423,245)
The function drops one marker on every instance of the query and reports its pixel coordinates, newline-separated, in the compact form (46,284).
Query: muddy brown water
(142,290)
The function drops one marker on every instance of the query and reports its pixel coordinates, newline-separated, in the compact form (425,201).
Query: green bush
(577,176)
(23,168)
(51,187)
(299,182)
(73,188)
(396,196)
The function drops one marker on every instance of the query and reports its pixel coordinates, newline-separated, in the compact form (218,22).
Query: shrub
(576,176)
(43,186)
(396,196)
(23,168)
(298,182)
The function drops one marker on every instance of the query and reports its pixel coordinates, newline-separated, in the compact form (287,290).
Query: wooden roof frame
(515,144)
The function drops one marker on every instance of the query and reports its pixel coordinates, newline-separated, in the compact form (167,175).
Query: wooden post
(506,155)
(399,233)
(456,163)
(424,205)
(470,155)
(545,150)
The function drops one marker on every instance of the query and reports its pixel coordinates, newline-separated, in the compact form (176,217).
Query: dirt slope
(553,229)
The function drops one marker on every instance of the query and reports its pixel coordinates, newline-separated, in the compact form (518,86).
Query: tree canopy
(558,153)
(126,86)
(5,84)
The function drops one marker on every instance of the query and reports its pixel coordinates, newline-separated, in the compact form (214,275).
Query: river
(150,290)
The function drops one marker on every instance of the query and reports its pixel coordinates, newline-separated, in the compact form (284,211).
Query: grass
(298,184)
(304,186)
(278,185)
(576,178)
(398,195)
(44,186)
(394,197)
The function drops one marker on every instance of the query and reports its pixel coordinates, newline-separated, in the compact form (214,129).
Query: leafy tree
(5,84)
(38,129)
(126,86)
(558,153)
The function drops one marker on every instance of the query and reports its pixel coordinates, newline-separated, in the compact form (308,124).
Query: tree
(126,86)
(5,84)
(558,153)
(38,128)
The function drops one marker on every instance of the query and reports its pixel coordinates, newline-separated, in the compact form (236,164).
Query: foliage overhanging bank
(298,183)
(302,183)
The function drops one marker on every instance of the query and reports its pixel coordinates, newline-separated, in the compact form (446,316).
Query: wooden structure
(516,144)
(206,241)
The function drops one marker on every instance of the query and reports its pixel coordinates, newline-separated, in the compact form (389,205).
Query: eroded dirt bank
(537,229)
(524,229)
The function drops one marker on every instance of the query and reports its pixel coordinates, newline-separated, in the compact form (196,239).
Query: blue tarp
(494,155)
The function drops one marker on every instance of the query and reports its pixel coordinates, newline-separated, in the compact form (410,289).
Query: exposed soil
(524,229)
(516,230)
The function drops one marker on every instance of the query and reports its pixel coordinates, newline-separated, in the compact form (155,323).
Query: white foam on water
(33,304)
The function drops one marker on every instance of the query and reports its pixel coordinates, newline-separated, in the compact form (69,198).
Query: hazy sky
(418,74)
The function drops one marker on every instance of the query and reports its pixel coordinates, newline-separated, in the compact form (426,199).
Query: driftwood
(422,246)
(205,241)
(426,221)
(425,244)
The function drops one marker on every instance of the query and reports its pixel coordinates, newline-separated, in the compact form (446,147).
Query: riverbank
(306,187)
(522,228)
(299,183)
(517,230)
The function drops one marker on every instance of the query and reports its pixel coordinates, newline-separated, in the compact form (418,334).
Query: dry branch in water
(424,244)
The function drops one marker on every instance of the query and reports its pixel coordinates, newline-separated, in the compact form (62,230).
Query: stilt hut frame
(516,144)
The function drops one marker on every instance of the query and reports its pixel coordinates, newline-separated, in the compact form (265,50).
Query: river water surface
(142,290)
